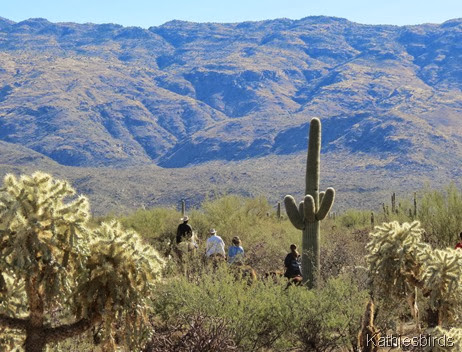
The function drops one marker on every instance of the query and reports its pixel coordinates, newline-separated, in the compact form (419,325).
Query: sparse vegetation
(201,307)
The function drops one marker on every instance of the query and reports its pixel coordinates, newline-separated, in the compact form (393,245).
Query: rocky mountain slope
(191,94)
(185,93)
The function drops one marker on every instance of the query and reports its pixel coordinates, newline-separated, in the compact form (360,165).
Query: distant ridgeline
(186,93)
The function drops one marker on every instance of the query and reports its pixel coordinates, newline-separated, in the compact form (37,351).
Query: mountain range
(183,100)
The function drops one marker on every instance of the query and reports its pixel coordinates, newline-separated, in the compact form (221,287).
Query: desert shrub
(265,315)
(258,315)
(330,318)
(152,223)
(190,334)
(355,218)
(342,252)
(158,226)
(440,213)
(231,215)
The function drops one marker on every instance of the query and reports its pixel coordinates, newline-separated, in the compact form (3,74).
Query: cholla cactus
(442,275)
(121,273)
(398,258)
(442,340)
(394,251)
(48,256)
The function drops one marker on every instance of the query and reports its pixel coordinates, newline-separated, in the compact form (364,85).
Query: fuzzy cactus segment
(444,340)
(398,258)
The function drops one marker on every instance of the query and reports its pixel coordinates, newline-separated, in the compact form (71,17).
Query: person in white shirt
(215,246)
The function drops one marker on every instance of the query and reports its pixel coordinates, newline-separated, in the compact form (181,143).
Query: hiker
(292,264)
(215,246)
(459,244)
(184,230)
(236,252)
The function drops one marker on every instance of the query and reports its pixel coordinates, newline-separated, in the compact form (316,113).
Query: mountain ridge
(188,95)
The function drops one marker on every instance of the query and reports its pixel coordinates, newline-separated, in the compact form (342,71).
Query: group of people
(215,247)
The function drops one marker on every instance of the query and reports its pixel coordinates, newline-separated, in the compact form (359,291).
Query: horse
(244,272)
(296,281)
(277,274)
(188,245)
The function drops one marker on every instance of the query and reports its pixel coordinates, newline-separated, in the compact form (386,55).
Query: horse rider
(292,264)
(215,246)
(236,252)
(184,230)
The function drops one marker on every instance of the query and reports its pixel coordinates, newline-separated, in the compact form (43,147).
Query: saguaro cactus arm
(309,208)
(293,212)
(325,204)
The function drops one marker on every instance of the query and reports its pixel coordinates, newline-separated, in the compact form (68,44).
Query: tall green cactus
(314,207)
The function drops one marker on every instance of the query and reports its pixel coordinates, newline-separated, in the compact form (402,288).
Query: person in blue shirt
(236,252)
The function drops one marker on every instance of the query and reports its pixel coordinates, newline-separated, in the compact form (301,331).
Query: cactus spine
(314,207)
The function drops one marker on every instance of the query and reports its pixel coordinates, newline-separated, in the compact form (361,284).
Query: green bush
(265,315)
(330,318)
(440,213)
(355,218)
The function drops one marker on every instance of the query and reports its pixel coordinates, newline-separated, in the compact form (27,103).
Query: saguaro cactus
(314,207)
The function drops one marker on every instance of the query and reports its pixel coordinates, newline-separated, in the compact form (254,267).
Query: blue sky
(145,13)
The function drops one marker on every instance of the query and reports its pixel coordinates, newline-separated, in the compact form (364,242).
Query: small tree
(59,278)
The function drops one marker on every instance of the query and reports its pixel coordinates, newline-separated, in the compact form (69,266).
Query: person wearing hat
(215,246)
(236,252)
(184,230)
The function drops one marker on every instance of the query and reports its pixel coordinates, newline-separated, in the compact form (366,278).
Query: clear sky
(146,13)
